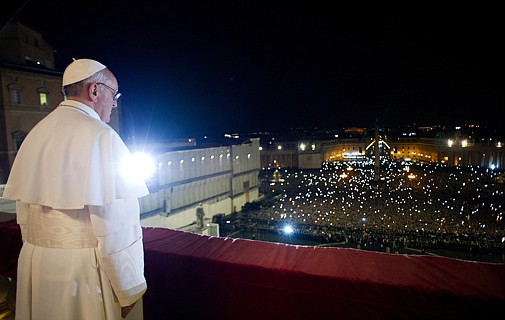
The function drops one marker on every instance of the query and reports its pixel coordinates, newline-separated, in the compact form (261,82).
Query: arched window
(14,93)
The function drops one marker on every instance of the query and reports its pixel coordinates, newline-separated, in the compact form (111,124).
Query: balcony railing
(192,276)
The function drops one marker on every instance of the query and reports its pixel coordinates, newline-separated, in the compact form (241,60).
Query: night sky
(206,69)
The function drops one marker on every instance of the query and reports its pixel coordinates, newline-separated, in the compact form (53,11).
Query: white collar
(81,107)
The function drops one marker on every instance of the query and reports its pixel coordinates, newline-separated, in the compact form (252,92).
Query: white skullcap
(81,69)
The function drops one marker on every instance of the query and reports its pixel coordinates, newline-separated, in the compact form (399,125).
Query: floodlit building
(220,179)
(451,148)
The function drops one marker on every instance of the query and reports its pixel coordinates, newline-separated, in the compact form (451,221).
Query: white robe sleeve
(120,249)
(21,217)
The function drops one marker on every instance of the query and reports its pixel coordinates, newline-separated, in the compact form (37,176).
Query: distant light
(464,143)
(288,229)
(303,146)
(279,147)
(449,143)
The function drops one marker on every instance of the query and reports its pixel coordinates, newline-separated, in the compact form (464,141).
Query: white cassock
(82,256)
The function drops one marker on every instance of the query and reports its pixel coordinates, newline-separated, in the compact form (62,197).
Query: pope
(82,254)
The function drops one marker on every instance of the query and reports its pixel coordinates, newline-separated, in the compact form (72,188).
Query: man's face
(105,101)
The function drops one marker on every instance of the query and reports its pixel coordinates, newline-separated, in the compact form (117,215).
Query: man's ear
(92,91)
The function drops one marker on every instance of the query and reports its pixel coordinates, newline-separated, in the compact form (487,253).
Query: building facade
(30,88)
(219,179)
(453,149)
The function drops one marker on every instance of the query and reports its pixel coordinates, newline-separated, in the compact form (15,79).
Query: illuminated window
(43,98)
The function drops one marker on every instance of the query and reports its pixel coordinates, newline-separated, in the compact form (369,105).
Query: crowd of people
(407,204)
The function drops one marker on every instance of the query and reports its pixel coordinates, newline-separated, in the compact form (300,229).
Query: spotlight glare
(139,166)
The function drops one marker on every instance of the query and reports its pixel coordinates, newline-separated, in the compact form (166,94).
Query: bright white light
(138,166)
(303,146)
(449,143)
(288,229)
(464,143)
